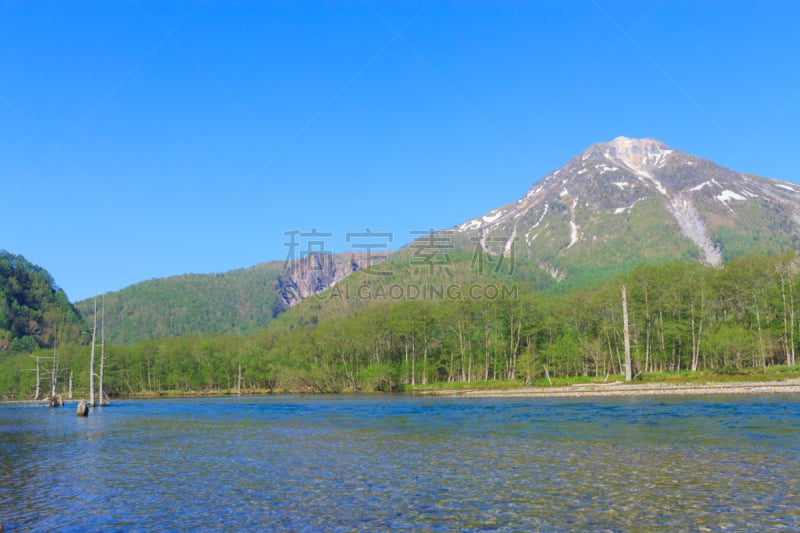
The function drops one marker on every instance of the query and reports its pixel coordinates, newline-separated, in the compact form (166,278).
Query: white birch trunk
(102,348)
(626,336)
(91,360)
(38,391)
(54,374)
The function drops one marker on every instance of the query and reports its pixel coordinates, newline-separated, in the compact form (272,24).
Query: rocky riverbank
(631,389)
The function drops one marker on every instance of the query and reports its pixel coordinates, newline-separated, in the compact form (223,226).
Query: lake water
(372,463)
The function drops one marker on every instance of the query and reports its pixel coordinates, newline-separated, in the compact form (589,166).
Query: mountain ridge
(611,207)
(702,200)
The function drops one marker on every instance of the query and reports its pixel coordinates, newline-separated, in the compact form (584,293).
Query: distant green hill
(34,311)
(244,301)
(239,301)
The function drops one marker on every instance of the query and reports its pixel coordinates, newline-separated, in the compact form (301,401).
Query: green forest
(34,311)
(683,317)
(239,301)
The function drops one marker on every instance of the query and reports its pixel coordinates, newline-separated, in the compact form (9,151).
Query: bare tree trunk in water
(54,371)
(91,360)
(102,347)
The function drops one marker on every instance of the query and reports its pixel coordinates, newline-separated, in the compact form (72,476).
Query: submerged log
(83,408)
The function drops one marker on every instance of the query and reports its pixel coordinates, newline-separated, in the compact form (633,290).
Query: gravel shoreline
(791,386)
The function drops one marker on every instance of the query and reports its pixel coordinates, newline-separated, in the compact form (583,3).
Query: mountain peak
(625,142)
(620,201)
(635,153)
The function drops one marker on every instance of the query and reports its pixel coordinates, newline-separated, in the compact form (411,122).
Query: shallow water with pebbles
(372,463)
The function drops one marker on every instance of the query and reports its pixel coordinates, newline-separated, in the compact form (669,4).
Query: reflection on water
(376,463)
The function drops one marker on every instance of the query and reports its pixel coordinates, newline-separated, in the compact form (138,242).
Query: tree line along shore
(734,322)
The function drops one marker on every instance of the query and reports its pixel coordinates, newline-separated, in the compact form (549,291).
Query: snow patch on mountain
(544,212)
(658,158)
(532,192)
(646,177)
(605,168)
(493,217)
(478,223)
(508,248)
(620,210)
(710,183)
(728,195)
(573,226)
(470,225)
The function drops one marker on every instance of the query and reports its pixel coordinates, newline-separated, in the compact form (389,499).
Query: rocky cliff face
(316,272)
(634,199)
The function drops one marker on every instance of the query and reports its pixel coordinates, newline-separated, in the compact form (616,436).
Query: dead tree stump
(83,408)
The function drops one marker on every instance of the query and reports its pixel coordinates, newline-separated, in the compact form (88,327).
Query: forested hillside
(683,316)
(34,311)
(239,301)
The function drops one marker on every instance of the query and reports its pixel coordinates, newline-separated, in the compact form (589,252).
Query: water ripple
(400,463)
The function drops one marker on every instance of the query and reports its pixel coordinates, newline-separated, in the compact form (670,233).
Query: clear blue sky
(148,139)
